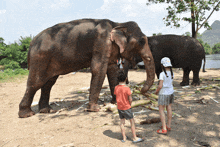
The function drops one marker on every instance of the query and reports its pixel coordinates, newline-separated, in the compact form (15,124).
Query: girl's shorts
(165,99)
(127,114)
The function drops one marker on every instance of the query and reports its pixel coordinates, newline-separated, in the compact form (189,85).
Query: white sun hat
(166,62)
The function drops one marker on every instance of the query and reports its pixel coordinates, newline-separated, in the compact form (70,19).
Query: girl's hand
(159,87)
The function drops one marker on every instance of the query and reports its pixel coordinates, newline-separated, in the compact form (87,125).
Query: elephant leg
(113,80)
(196,81)
(25,104)
(126,66)
(158,70)
(185,81)
(33,84)
(44,106)
(98,69)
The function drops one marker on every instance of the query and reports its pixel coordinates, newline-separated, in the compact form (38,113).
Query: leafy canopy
(198,9)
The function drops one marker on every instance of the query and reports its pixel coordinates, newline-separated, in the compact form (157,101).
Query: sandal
(168,129)
(139,140)
(162,131)
(124,140)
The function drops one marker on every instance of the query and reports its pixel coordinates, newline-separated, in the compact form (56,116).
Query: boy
(124,100)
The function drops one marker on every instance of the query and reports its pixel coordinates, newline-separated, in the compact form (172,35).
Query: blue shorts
(127,114)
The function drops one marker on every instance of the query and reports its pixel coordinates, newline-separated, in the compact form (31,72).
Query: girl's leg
(133,129)
(122,126)
(169,115)
(162,116)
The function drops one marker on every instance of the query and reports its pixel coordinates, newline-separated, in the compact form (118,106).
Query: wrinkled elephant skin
(184,52)
(78,44)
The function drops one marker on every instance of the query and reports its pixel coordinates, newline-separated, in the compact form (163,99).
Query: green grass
(10,75)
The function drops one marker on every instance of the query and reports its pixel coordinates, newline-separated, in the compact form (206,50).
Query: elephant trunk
(147,57)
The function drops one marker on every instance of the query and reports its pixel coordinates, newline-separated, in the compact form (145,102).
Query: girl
(166,97)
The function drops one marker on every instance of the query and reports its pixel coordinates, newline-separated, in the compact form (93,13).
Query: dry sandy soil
(72,126)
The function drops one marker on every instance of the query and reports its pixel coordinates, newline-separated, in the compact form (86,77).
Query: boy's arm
(130,99)
(159,87)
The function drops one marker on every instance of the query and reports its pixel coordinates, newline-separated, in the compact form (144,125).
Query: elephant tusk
(148,58)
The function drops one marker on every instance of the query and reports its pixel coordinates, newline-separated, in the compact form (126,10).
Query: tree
(187,34)
(2,41)
(197,8)
(2,48)
(24,47)
(154,34)
(216,48)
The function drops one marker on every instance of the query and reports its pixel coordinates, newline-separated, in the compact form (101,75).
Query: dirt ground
(72,126)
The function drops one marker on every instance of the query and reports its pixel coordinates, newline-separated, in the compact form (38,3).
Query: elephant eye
(128,38)
(142,41)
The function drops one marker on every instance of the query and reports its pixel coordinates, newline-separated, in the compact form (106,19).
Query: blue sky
(30,17)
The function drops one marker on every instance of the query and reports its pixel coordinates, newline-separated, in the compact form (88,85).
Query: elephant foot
(195,83)
(25,113)
(93,107)
(184,83)
(47,110)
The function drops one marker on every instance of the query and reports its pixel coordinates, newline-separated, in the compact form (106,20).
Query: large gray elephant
(185,52)
(78,44)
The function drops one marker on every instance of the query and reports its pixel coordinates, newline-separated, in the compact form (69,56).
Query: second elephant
(185,52)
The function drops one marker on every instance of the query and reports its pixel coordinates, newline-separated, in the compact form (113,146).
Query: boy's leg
(123,128)
(169,115)
(162,116)
(133,129)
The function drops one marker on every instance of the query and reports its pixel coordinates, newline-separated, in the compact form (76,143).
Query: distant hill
(212,36)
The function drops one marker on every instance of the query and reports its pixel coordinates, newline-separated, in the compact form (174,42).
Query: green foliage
(158,34)
(24,47)
(2,42)
(13,57)
(187,34)
(9,64)
(198,10)
(216,48)
(207,48)
(15,54)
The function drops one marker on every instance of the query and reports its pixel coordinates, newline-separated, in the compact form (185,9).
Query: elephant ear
(118,34)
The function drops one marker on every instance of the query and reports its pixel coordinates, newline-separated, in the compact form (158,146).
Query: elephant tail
(204,65)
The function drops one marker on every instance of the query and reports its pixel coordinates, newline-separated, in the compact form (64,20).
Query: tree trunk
(193,20)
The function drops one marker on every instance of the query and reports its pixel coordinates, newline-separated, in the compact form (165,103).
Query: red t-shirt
(122,92)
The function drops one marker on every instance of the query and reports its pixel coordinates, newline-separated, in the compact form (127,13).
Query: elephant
(184,52)
(71,46)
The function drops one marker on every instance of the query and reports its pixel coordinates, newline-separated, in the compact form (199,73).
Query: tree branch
(208,17)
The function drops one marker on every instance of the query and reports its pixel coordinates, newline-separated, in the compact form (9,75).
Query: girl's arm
(159,87)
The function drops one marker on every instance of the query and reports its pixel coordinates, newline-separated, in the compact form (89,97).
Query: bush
(8,64)
(15,55)
(207,48)
(20,71)
(216,48)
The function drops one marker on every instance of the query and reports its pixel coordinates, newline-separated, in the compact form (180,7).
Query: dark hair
(166,72)
(121,76)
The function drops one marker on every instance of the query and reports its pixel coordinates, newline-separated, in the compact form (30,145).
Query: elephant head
(130,39)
